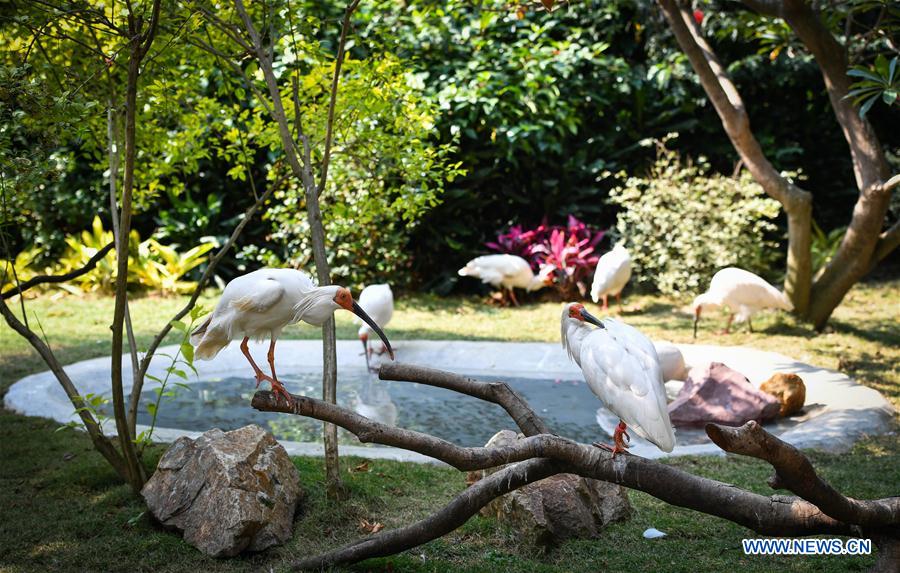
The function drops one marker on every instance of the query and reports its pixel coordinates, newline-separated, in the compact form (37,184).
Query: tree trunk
(724,96)
(136,473)
(864,244)
(303,172)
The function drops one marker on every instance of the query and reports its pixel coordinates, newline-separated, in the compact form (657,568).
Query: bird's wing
(621,367)
(258,296)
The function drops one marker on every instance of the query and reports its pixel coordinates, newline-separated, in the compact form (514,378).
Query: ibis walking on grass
(508,272)
(622,368)
(743,293)
(260,304)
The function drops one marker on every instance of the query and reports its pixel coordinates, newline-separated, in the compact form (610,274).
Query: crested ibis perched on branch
(260,304)
(622,368)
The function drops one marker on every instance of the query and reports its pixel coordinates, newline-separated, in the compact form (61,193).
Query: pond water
(568,406)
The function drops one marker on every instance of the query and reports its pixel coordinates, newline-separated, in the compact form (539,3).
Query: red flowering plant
(570,249)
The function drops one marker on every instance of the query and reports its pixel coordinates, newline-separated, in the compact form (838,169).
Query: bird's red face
(578,312)
(344,299)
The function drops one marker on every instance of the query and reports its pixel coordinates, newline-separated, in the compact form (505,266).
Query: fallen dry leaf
(367,526)
(363,467)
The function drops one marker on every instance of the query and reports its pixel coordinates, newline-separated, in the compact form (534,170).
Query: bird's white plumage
(507,271)
(612,273)
(622,368)
(742,292)
(378,302)
(259,305)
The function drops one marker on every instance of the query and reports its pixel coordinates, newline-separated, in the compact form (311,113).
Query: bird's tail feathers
(209,348)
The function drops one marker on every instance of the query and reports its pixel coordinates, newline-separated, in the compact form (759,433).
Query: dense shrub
(682,223)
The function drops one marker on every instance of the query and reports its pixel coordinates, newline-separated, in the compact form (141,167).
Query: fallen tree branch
(440,523)
(541,455)
(774,515)
(52,279)
(497,392)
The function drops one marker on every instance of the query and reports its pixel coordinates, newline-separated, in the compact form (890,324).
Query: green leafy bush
(153,266)
(682,224)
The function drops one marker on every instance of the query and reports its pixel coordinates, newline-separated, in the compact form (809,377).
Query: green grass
(63,509)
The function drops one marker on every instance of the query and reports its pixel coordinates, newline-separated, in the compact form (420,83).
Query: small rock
(560,507)
(226,491)
(718,394)
(672,361)
(790,391)
(673,389)
(653,533)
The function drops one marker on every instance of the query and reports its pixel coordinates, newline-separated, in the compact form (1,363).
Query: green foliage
(824,245)
(153,266)
(880,82)
(681,223)
(183,359)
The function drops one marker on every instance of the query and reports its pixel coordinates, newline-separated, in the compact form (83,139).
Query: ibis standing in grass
(611,275)
(378,302)
(508,272)
(622,369)
(743,293)
(260,304)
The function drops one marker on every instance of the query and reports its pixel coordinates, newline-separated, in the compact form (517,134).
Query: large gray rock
(560,507)
(226,491)
(718,394)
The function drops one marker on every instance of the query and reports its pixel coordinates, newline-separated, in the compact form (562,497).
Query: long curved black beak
(588,317)
(358,311)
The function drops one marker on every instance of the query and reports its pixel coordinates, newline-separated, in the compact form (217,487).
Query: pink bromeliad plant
(571,249)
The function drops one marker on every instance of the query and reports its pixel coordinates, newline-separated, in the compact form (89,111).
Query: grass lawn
(62,508)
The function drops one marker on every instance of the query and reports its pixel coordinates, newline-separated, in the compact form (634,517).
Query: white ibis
(508,272)
(611,275)
(622,369)
(378,302)
(260,304)
(743,293)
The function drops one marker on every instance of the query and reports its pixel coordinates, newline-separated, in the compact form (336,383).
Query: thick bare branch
(497,392)
(775,515)
(53,279)
(439,523)
(795,472)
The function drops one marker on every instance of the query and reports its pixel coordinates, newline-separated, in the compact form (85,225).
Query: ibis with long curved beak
(622,369)
(260,304)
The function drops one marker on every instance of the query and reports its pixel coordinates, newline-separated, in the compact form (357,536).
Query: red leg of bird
(728,325)
(277,387)
(512,296)
(605,302)
(619,302)
(620,444)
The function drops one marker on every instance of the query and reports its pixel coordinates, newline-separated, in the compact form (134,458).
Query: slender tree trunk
(137,475)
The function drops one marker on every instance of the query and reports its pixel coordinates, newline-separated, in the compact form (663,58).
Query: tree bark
(820,509)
